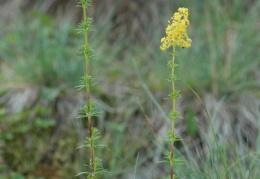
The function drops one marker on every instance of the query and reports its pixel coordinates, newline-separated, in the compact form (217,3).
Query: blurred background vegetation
(38,101)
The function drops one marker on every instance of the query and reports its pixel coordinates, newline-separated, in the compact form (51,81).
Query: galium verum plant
(176,37)
(90,109)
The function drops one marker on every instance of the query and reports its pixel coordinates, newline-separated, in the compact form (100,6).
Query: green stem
(236,153)
(173,110)
(88,99)
(213,131)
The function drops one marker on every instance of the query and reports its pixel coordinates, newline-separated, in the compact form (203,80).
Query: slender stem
(88,99)
(173,110)
(236,153)
(213,131)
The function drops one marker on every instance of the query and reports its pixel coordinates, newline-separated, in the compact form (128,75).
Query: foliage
(90,110)
(42,48)
(222,66)
(176,37)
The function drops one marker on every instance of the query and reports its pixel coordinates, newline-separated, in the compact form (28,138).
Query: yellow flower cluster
(177,31)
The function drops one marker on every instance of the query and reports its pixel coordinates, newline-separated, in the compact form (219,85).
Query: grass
(222,67)
(47,52)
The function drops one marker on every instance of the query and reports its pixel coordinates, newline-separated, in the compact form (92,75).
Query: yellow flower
(177,31)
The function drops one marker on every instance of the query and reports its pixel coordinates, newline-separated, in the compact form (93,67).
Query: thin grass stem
(136,163)
(213,131)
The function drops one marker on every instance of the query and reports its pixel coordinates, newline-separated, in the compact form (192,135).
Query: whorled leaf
(173,115)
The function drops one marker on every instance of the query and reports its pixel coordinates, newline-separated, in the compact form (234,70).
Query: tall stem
(88,98)
(173,110)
